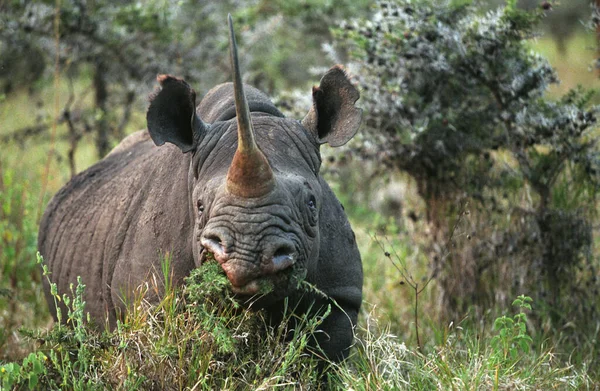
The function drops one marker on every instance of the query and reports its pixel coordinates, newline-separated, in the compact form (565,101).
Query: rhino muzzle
(245,269)
(249,176)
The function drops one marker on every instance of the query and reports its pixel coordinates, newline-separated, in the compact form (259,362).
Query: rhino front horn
(250,174)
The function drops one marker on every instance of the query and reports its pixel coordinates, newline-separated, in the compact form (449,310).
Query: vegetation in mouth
(266,286)
(207,256)
(210,271)
(285,281)
(297,276)
(208,282)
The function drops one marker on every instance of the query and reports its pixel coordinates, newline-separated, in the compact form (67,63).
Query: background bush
(458,101)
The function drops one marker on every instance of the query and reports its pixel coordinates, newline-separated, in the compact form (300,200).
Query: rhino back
(110,223)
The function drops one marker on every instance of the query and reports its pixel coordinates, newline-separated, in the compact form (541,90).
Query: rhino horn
(250,174)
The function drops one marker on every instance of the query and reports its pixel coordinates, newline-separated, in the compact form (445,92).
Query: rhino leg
(336,333)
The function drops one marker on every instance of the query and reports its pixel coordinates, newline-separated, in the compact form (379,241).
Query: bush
(456,98)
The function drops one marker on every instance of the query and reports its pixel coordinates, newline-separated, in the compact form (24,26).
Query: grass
(573,67)
(463,361)
(197,337)
(21,297)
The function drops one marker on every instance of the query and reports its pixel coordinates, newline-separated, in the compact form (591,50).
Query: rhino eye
(200,207)
(312,202)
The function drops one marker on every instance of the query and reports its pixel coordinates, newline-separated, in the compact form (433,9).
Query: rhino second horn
(250,174)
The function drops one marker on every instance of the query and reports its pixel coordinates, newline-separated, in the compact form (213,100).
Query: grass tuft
(198,337)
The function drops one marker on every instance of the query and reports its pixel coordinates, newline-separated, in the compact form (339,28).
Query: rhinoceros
(232,180)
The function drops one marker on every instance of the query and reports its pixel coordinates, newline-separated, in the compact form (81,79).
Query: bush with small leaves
(456,98)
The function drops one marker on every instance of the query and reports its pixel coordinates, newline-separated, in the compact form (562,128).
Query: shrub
(456,98)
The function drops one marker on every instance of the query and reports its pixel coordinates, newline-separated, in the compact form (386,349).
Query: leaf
(33,381)
(524,345)
(38,367)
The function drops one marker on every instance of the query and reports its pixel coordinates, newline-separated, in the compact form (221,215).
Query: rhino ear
(172,116)
(333,118)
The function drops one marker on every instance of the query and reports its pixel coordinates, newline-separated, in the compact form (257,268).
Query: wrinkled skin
(111,223)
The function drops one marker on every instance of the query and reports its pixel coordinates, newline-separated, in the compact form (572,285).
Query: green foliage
(433,84)
(562,19)
(29,373)
(198,335)
(275,64)
(512,338)
(212,303)
(169,346)
(457,99)
(70,347)
(465,356)
(21,298)
(120,47)
(17,227)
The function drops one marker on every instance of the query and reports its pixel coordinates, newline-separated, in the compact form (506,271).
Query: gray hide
(112,223)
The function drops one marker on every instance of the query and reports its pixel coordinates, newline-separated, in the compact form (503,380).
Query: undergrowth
(468,356)
(21,297)
(199,337)
(196,337)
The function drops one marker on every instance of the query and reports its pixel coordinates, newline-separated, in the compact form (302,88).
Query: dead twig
(56,108)
(407,277)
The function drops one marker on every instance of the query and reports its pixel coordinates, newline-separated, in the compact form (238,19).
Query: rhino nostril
(214,244)
(215,239)
(283,258)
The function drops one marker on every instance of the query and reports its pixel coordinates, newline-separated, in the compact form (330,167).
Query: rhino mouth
(270,284)
(257,287)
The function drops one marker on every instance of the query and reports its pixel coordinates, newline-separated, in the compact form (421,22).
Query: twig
(21,134)
(74,136)
(129,99)
(408,278)
(56,109)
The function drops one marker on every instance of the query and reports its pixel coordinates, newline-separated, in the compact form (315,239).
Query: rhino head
(255,194)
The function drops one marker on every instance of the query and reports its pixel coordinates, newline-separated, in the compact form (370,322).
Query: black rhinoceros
(238,181)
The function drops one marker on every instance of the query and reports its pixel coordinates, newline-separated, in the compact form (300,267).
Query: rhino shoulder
(340,267)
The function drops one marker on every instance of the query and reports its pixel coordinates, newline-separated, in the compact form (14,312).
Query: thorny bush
(456,98)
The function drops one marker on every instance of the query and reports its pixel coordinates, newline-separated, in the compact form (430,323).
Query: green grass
(21,297)
(196,337)
(193,338)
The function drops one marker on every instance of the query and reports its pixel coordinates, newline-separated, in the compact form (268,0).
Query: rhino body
(236,180)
